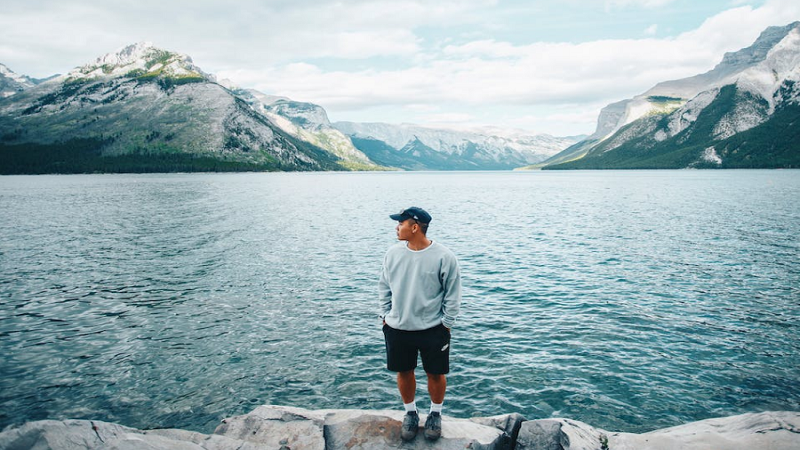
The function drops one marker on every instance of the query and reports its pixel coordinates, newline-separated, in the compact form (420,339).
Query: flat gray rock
(276,427)
(87,434)
(355,429)
(766,430)
(287,428)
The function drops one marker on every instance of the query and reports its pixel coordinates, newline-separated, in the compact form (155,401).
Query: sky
(542,66)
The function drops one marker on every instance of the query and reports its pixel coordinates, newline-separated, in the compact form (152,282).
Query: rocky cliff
(741,114)
(288,428)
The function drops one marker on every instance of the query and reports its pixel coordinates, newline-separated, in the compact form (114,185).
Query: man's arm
(451,282)
(384,293)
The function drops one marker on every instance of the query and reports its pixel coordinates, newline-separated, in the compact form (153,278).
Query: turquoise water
(629,300)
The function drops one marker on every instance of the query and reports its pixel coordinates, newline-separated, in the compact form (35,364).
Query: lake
(630,300)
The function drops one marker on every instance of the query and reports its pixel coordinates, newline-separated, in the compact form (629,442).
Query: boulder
(766,430)
(560,434)
(508,423)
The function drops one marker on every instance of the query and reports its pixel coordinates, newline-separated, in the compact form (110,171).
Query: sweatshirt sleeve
(451,281)
(384,292)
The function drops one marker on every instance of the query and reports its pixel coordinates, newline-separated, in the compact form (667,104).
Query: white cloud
(486,73)
(219,35)
(448,118)
(285,47)
(616,4)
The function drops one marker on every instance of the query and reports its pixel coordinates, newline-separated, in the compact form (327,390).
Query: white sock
(436,407)
(411,407)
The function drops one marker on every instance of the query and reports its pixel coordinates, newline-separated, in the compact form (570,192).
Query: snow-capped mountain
(140,59)
(668,96)
(11,82)
(145,108)
(415,147)
(696,120)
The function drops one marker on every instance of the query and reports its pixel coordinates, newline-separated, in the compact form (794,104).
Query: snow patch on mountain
(21,79)
(710,155)
(12,82)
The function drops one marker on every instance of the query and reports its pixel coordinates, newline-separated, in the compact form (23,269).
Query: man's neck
(419,244)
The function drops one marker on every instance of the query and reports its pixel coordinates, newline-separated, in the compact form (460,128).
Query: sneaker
(410,426)
(433,426)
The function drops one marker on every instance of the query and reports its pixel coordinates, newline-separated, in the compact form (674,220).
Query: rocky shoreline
(289,428)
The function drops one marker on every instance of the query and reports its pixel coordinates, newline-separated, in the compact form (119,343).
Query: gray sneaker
(433,426)
(410,426)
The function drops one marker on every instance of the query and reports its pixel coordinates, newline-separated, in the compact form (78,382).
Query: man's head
(411,221)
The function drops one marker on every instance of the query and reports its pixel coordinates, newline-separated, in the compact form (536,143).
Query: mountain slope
(415,147)
(12,83)
(309,123)
(143,101)
(752,91)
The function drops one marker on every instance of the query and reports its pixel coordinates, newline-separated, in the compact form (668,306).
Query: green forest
(85,156)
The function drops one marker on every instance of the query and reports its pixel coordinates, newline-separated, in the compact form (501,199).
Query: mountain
(309,123)
(415,147)
(743,113)
(11,83)
(144,109)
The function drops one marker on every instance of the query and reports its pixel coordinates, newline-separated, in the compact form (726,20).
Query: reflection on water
(628,300)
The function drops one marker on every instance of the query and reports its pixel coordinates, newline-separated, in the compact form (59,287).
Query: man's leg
(407,384)
(437,385)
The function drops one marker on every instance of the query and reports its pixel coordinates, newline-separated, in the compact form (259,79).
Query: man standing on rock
(420,296)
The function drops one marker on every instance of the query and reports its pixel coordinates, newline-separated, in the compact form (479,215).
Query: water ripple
(629,300)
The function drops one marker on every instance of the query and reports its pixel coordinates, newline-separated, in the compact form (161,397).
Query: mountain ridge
(143,101)
(754,80)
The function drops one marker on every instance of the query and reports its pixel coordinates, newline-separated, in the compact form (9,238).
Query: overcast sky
(543,66)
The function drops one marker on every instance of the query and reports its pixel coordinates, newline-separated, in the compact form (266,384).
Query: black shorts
(432,344)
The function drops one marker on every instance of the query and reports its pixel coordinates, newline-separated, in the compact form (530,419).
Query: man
(420,296)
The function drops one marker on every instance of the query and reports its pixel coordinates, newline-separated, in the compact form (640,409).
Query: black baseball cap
(416,213)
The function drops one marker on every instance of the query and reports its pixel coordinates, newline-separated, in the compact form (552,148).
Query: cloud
(219,35)
(618,4)
(485,73)
(448,118)
(355,57)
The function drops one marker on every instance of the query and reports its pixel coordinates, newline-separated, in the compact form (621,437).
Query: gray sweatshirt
(419,289)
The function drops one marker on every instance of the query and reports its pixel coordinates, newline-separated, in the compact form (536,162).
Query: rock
(286,428)
(208,442)
(766,430)
(540,435)
(276,426)
(560,434)
(354,430)
(87,434)
(508,423)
